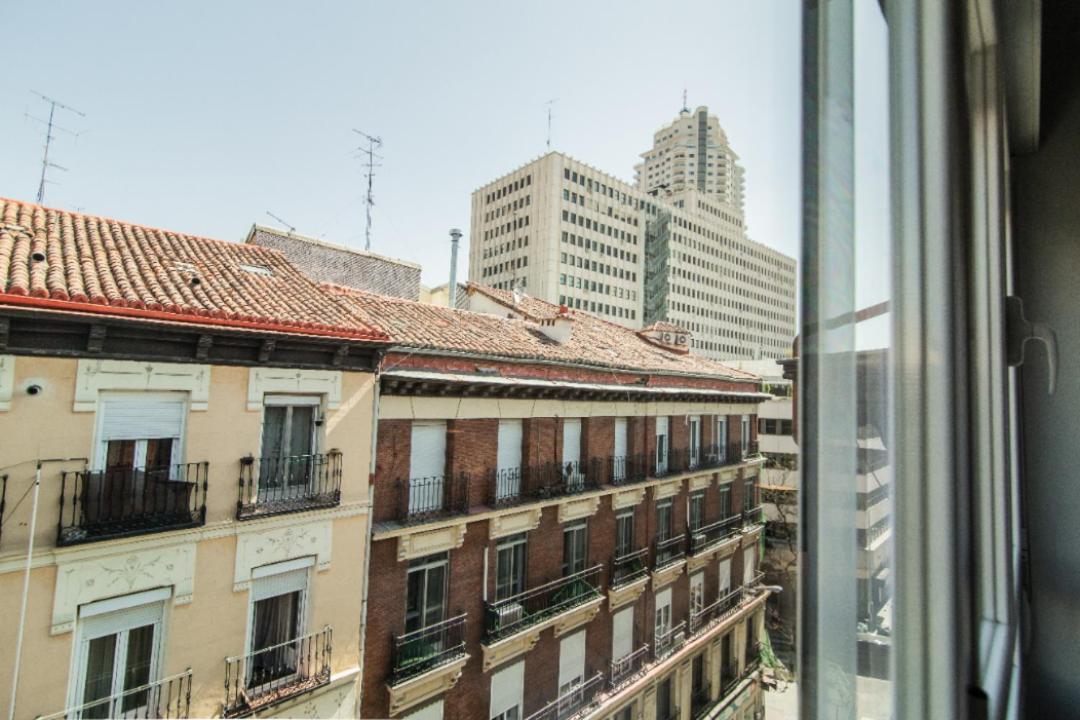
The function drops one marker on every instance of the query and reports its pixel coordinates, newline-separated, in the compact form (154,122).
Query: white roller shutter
(427,455)
(279,584)
(434,711)
(134,418)
(749,555)
(725,576)
(661,426)
(620,437)
(509,452)
(622,633)
(571,446)
(572,659)
(507,689)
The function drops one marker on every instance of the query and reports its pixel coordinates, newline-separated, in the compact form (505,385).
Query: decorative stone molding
(728,547)
(82,581)
(93,376)
(628,498)
(423,687)
(617,597)
(509,648)
(751,536)
(700,482)
(514,523)
(667,489)
(285,543)
(727,476)
(577,509)
(7,381)
(421,544)
(576,617)
(696,562)
(286,380)
(660,578)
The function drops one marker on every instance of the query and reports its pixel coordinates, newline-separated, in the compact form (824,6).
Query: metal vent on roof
(257,270)
(184,266)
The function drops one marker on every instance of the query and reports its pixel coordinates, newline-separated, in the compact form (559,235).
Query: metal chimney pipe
(455,235)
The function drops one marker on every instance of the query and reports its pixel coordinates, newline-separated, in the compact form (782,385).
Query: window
(507,689)
(117,652)
(510,558)
(622,633)
(278,607)
(695,441)
(665,519)
(749,565)
(575,547)
(139,432)
(288,443)
(697,593)
(508,472)
(725,576)
(620,450)
(661,459)
(571,671)
(431,711)
(725,501)
(573,475)
(697,509)
(427,464)
(750,494)
(624,533)
(662,618)
(744,435)
(426,591)
(664,709)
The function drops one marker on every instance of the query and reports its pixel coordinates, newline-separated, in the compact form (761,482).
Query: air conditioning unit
(509,613)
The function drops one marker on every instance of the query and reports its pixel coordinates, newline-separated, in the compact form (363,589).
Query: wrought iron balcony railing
(668,552)
(278,484)
(168,697)
(708,536)
(270,675)
(752,515)
(627,568)
(629,666)
(421,650)
(669,641)
(721,455)
(624,469)
(437,496)
(520,611)
(130,501)
(571,702)
(753,588)
(721,608)
(507,487)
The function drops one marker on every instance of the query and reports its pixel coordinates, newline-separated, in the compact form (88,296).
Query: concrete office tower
(562,231)
(692,153)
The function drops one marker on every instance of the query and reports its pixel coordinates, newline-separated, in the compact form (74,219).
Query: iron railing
(754,586)
(121,502)
(624,469)
(628,666)
(271,675)
(279,484)
(507,487)
(420,650)
(718,610)
(436,496)
(669,641)
(720,455)
(571,702)
(630,567)
(169,697)
(752,515)
(667,552)
(520,611)
(713,534)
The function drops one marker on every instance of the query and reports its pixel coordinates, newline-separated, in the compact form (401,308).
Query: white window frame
(283,399)
(100,450)
(694,430)
(663,450)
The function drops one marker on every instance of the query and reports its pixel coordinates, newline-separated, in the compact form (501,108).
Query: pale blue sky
(201,116)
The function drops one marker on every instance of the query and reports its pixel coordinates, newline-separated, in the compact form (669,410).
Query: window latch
(1019,330)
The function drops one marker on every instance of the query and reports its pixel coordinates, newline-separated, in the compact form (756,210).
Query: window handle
(1019,330)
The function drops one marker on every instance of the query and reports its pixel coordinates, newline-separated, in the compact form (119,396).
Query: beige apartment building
(565,232)
(187,433)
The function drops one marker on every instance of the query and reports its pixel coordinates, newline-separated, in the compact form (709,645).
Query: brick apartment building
(566,519)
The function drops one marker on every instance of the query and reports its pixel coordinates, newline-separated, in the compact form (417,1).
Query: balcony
(556,479)
(722,608)
(122,502)
(417,652)
(668,552)
(707,537)
(715,456)
(571,702)
(429,498)
(280,484)
(506,617)
(628,667)
(166,698)
(669,641)
(625,569)
(753,515)
(624,469)
(701,701)
(507,487)
(274,674)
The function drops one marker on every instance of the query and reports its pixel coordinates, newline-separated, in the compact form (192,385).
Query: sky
(203,116)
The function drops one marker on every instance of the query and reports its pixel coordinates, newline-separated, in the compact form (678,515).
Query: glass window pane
(140,649)
(100,663)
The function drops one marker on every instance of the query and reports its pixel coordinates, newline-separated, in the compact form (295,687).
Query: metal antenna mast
(373,142)
(49,127)
(283,222)
(549,103)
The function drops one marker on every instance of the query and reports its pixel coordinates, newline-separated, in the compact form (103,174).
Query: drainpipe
(455,236)
(370,531)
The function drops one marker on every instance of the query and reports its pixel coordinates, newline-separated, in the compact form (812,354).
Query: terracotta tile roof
(593,342)
(63,260)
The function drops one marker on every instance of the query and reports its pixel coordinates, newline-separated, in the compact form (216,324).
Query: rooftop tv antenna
(283,222)
(373,142)
(685,107)
(549,103)
(50,126)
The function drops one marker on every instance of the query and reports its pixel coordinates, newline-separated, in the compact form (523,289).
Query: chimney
(455,235)
(560,327)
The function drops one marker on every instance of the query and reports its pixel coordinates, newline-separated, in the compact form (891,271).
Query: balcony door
(575,547)
(720,436)
(744,435)
(571,454)
(619,464)
(661,460)
(425,594)
(117,653)
(510,557)
(508,470)
(749,564)
(571,673)
(725,577)
(695,441)
(288,444)
(427,467)
(697,593)
(662,620)
(278,609)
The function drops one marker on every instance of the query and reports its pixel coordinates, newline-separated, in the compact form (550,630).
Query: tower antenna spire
(50,126)
(373,142)
(549,103)
(685,107)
